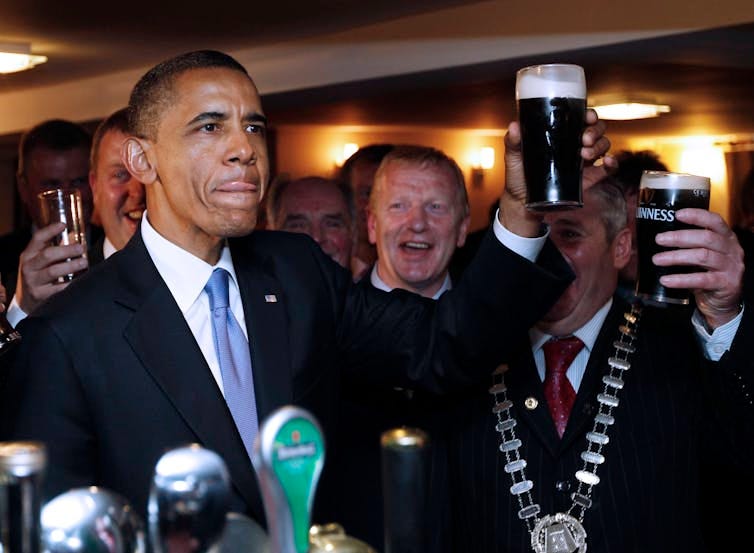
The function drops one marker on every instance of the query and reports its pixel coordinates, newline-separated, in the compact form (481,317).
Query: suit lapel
(162,340)
(265,311)
(524,385)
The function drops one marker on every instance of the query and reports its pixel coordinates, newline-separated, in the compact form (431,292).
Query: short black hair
(55,134)
(632,164)
(116,121)
(153,91)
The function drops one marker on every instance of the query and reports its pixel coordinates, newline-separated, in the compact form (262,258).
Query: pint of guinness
(551,111)
(661,194)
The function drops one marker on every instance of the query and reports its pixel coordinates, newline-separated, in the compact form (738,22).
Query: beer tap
(188,501)
(22,466)
(91,520)
(405,463)
(289,453)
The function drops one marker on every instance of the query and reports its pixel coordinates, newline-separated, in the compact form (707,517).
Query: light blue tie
(232,350)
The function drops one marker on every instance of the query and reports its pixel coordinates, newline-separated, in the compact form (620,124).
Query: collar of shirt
(378,283)
(588,334)
(184,274)
(107,248)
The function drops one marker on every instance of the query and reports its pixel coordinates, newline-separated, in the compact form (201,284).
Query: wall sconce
(18,57)
(344,152)
(481,159)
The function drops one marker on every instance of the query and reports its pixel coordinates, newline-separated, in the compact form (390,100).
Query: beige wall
(310,150)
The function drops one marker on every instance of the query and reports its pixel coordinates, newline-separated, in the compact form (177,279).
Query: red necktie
(560,395)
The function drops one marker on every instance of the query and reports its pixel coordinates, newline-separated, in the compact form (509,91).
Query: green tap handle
(289,453)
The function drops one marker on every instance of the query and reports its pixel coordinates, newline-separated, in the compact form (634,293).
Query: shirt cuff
(525,247)
(717,343)
(15,314)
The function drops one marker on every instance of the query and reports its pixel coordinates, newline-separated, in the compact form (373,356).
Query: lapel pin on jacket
(270,298)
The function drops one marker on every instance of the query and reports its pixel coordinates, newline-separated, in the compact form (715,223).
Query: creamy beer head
(555,80)
(667,180)
(661,194)
(551,103)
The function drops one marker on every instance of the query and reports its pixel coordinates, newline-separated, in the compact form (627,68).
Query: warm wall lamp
(344,152)
(481,159)
(18,57)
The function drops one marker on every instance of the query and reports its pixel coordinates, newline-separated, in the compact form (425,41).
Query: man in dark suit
(126,363)
(677,406)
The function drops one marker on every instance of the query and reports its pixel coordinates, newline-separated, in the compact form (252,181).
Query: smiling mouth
(417,246)
(135,214)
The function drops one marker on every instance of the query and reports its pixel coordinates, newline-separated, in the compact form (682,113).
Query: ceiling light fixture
(624,111)
(18,57)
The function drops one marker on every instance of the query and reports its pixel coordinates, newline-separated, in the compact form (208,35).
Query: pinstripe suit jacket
(675,411)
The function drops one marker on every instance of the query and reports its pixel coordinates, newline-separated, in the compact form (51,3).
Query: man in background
(53,154)
(358,171)
(319,207)
(418,215)
(118,196)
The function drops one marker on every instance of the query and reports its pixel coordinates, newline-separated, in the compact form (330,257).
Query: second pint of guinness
(551,111)
(661,194)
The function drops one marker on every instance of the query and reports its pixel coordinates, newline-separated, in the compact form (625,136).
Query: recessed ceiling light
(18,57)
(625,111)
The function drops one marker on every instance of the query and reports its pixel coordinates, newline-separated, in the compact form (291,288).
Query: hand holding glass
(64,206)
(661,194)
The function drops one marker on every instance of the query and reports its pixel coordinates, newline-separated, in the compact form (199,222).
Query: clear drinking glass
(661,193)
(65,206)
(551,103)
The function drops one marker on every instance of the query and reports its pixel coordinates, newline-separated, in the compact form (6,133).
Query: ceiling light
(630,110)
(18,57)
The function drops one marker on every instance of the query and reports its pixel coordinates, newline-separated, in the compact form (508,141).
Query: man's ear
(93,182)
(135,154)
(463,231)
(622,248)
(371,226)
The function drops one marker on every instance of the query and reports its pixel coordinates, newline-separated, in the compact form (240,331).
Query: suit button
(563,486)
(531,403)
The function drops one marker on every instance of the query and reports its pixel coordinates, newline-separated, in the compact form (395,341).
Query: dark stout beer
(660,196)
(551,112)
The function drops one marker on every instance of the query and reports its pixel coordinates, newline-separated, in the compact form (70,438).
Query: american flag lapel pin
(270,298)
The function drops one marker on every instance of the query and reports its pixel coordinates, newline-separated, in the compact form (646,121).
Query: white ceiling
(96,55)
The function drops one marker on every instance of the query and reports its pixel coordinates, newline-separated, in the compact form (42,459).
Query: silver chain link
(510,445)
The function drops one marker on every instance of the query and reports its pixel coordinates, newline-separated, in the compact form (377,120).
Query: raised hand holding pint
(661,194)
(551,111)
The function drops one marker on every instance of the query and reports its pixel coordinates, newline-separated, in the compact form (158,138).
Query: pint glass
(551,111)
(64,206)
(660,195)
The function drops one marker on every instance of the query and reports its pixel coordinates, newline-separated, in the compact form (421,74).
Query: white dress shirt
(587,334)
(185,276)
(380,284)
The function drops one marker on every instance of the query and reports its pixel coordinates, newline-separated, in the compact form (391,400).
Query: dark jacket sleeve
(460,338)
